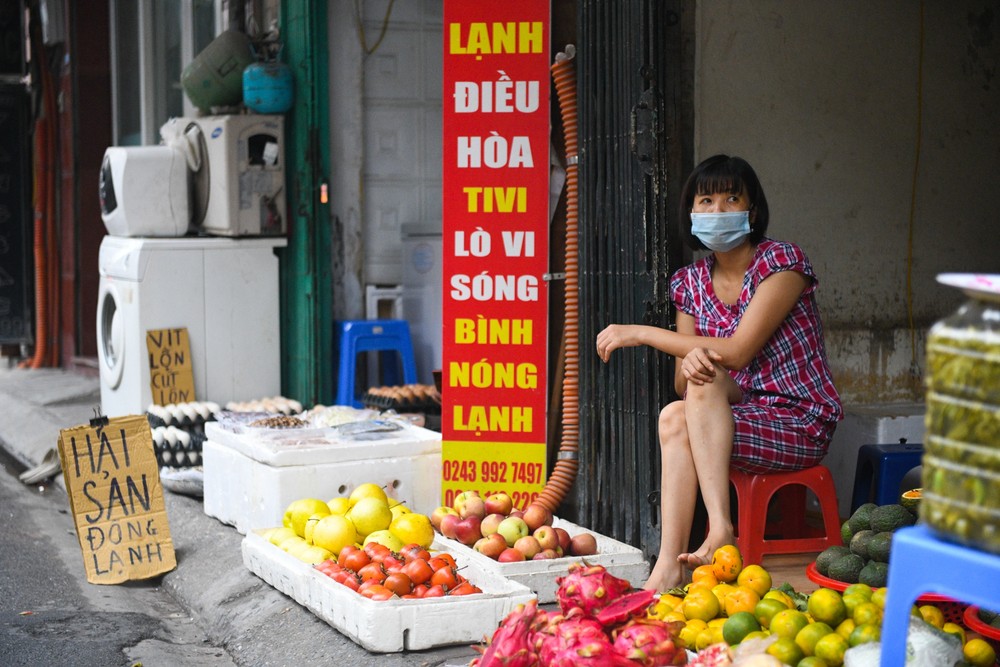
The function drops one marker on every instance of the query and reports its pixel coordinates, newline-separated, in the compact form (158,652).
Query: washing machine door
(110,335)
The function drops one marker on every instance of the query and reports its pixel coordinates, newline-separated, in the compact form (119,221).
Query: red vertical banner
(495,247)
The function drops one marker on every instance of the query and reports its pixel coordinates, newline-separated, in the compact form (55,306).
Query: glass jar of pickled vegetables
(961,463)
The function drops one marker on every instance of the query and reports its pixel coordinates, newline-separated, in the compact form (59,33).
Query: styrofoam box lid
(296,447)
(390,625)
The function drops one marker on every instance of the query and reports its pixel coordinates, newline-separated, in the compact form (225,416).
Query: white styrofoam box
(620,559)
(881,424)
(387,626)
(242,490)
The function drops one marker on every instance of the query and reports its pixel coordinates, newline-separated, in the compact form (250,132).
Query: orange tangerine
(742,599)
(846,628)
(955,629)
(809,636)
(979,653)
(878,597)
(700,603)
(831,648)
(864,633)
(869,612)
(766,609)
(704,575)
(861,589)
(788,623)
(826,606)
(756,578)
(707,637)
(689,633)
(786,650)
(727,563)
(775,594)
(932,615)
(738,626)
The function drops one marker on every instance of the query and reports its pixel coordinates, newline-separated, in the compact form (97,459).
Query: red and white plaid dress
(790,406)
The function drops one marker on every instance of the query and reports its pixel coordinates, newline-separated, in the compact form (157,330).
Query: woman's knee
(672,425)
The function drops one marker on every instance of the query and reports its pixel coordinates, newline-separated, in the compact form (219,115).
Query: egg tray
(425,405)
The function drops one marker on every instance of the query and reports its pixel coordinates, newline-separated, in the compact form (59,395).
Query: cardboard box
(391,625)
(250,478)
(620,559)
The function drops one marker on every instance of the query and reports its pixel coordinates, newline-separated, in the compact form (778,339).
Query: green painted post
(306,284)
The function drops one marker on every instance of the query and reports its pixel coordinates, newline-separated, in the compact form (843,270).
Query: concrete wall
(848,125)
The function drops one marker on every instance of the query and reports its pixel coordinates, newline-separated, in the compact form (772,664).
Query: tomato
(372,571)
(355,560)
(398,583)
(419,571)
(464,588)
(414,551)
(434,592)
(392,564)
(447,577)
(377,552)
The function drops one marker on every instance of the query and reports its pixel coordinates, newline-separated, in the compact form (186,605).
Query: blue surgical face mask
(721,231)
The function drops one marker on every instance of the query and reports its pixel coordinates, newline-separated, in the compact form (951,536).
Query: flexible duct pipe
(567,462)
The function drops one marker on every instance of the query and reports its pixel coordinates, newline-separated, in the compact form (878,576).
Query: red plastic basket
(986,631)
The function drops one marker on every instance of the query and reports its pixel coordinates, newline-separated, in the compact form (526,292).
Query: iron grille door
(635,145)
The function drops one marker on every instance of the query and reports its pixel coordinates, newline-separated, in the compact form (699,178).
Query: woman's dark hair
(723,173)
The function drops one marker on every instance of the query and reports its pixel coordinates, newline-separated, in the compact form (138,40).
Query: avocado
(830,554)
(861,519)
(847,568)
(845,532)
(879,546)
(859,543)
(888,518)
(911,500)
(874,574)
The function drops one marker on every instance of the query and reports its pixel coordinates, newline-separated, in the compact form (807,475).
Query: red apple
(439,513)
(463,498)
(491,545)
(537,515)
(583,544)
(512,528)
(547,554)
(564,538)
(499,503)
(510,555)
(527,545)
(546,536)
(448,524)
(467,530)
(490,523)
(551,553)
(516,512)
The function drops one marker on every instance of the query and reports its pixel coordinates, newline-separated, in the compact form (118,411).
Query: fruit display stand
(394,625)
(620,559)
(252,476)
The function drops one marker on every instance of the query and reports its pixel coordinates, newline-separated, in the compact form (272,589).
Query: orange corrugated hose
(44,204)
(567,462)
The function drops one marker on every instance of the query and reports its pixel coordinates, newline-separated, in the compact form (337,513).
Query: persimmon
(447,577)
(372,571)
(398,582)
(355,560)
(419,571)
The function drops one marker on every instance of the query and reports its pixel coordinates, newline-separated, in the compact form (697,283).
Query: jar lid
(976,285)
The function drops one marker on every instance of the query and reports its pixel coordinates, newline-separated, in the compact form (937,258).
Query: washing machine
(224,291)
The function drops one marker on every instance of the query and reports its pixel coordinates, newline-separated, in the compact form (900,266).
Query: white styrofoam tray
(298,447)
(620,559)
(390,626)
(248,494)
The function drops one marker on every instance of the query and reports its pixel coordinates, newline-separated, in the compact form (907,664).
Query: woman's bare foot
(714,540)
(665,575)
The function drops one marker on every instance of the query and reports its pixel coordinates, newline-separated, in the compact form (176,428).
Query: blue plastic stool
(923,563)
(384,336)
(886,466)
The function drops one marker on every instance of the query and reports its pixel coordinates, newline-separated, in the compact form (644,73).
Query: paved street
(210,611)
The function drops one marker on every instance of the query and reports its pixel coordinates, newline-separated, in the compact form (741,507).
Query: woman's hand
(615,336)
(698,365)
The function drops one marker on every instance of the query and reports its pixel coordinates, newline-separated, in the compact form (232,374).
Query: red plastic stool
(754,493)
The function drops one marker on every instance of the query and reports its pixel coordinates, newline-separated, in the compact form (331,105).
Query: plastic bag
(926,646)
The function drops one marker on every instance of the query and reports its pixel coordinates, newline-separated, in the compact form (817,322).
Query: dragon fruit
(650,643)
(625,607)
(716,655)
(589,588)
(577,640)
(510,646)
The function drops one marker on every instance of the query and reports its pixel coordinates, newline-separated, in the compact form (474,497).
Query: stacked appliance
(193,225)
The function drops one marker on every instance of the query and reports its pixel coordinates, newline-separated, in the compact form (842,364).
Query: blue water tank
(267,87)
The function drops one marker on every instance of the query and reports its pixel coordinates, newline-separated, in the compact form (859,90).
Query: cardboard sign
(495,223)
(113,482)
(171,378)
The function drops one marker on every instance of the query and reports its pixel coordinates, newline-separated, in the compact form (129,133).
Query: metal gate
(634,89)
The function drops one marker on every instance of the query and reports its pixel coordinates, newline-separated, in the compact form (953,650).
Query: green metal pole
(306,284)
